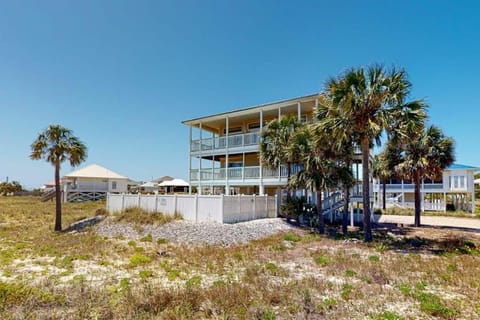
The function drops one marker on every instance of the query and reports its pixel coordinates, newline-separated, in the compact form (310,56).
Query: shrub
(138,259)
(147,238)
(289,236)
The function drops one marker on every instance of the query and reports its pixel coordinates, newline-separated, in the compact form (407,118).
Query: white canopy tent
(175,185)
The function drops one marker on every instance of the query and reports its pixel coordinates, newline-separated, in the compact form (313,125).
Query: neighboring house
(455,190)
(92,183)
(162,179)
(149,187)
(224,148)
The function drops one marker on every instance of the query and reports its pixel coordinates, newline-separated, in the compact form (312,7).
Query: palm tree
(329,118)
(381,171)
(275,141)
(383,165)
(57,144)
(425,156)
(372,101)
(317,158)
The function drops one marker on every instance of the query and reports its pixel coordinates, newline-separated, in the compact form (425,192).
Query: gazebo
(174,186)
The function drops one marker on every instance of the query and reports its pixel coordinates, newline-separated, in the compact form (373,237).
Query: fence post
(254,207)
(196,207)
(239,206)
(276,206)
(138,202)
(222,201)
(175,204)
(108,194)
(156,203)
(122,208)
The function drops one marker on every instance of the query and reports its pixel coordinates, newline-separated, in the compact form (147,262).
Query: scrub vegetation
(406,273)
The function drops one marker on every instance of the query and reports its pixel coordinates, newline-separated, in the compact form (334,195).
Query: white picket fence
(199,208)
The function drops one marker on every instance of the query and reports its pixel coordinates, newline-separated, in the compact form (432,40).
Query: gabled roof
(161,179)
(94,171)
(457,166)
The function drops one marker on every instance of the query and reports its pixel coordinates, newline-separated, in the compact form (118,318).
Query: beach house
(224,148)
(92,182)
(453,191)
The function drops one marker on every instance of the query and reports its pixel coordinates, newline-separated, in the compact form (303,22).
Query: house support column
(473,200)
(189,161)
(227,185)
(200,187)
(260,174)
(351,216)
(445,202)
(299,112)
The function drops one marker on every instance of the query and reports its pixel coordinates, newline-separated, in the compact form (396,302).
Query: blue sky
(124,74)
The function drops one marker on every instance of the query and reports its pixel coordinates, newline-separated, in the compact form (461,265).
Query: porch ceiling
(215,122)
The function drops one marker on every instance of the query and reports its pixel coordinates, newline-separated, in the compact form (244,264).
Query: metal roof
(94,171)
(457,166)
(265,106)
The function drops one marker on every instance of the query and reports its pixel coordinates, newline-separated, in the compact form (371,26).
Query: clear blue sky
(124,74)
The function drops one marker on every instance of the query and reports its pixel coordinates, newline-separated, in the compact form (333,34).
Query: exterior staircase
(48,195)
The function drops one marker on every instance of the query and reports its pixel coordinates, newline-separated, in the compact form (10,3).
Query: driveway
(464,223)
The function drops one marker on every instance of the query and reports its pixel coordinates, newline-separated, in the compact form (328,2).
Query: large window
(114,185)
(459,182)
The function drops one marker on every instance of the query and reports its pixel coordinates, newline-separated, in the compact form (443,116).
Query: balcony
(219,175)
(219,143)
(409,187)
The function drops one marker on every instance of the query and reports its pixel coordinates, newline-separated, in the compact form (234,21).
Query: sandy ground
(472,225)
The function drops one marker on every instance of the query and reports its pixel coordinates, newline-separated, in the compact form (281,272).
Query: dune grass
(140,216)
(48,275)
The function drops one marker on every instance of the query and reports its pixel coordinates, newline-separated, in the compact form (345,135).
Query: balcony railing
(240,173)
(218,143)
(398,187)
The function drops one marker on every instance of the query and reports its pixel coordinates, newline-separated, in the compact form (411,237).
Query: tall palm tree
(372,100)
(425,156)
(57,144)
(319,166)
(329,118)
(274,143)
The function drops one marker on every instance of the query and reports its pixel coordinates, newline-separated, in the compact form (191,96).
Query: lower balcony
(241,174)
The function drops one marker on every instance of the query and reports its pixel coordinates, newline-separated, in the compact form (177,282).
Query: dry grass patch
(139,216)
(404,274)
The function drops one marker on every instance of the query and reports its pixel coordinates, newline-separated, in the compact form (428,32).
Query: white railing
(199,208)
(218,143)
(398,187)
(426,206)
(240,173)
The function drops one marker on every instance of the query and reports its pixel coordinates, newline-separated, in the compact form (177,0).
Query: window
(462,182)
(235,164)
(303,118)
(114,185)
(254,127)
(234,130)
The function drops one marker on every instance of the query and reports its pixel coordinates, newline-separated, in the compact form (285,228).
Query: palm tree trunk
(321,222)
(346,192)
(418,205)
(384,190)
(58,199)
(367,228)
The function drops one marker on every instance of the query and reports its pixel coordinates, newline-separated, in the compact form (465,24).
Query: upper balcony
(247,142)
